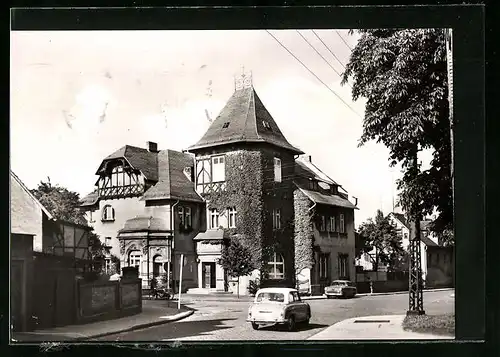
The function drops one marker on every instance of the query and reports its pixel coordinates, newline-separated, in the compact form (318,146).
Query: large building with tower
(242,180)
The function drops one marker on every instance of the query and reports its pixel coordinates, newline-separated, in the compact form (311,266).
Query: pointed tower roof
(244,119)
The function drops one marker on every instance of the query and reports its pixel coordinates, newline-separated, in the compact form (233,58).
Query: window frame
(324,263)
(341,223)
(133,257)
(276,218)
(343,262)
(106,241)
(104,215)
(213,213)
(322,223)
(222,173)
(231,215)
(188,218)
(273,274)
(333,224)
(278,175)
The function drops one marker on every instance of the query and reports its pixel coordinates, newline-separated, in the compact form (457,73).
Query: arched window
(108,213)
(277,267)
(134,259)
(158,262)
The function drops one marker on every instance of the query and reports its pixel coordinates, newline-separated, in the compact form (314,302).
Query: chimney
(355,201)
(152,146)
(310,159)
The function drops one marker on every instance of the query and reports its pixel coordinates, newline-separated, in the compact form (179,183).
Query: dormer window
(226,124)
(108,213)
(266,125)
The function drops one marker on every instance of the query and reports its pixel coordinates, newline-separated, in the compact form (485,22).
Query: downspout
(170,261)
(147,246)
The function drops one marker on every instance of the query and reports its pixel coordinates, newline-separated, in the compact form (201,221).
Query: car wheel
(306,321)
(290,323)
(255,326)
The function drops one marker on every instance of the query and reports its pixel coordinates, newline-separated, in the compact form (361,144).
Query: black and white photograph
(232,185)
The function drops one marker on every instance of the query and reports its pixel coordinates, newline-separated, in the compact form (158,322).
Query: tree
(403,76)
(65,205)
(237,260)
(381,234)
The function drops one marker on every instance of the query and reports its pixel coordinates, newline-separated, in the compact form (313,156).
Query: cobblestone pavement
(225,320)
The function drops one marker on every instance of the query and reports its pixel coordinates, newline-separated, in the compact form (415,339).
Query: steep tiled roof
(330,200)
(173,183)
(401,217)
(90,199)
(140,159)
(28,192)
(306,168)
(427,241)
(244,119)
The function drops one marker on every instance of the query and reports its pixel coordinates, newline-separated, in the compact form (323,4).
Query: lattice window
(277,267)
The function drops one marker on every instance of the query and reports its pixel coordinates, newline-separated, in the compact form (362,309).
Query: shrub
(253,287)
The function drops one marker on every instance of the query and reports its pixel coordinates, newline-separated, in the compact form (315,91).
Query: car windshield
(340,283)
(270,297)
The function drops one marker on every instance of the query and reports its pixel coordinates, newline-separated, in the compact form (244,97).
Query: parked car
(341,288)
(278,306)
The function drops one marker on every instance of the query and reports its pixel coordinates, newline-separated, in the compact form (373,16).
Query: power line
(328,48)
(345,42)
(324,59)
(319,79)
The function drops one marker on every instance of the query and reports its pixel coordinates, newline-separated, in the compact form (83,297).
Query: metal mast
(416,296)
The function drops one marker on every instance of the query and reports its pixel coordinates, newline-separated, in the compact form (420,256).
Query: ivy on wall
(303,232)
(243,191)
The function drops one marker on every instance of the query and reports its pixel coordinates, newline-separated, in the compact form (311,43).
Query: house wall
(310,242)
(336,243)
(26,216)
(125,208)
(279,195)
(440,267)
(21,281)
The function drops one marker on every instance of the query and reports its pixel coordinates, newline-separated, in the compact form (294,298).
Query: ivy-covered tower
(244,169)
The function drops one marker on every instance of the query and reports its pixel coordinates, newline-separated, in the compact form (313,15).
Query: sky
(78,96)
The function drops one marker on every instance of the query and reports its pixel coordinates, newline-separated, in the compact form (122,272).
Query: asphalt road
(225,320)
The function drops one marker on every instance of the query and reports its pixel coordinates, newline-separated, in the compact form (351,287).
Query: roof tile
(246,116)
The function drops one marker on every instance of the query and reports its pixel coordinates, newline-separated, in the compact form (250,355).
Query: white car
(341,288)
(278,306)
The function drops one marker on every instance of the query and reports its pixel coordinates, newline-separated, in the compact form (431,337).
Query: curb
(163,321)
(322,297)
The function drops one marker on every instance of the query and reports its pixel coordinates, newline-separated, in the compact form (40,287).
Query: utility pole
(416,296)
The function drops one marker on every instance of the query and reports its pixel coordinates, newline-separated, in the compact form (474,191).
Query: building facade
(426,237)
(146,210)
(242,180)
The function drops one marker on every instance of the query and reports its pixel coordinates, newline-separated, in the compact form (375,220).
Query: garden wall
(103,300)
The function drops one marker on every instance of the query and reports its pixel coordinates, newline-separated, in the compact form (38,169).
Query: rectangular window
(187,218)
(107,241)
(322,224)
(323,265)
(213,222)
(277,169)
(180,210)
(343,266)
(218,169)
(231,217)
(341,223)
(107,265)
(332,224)
(276,218)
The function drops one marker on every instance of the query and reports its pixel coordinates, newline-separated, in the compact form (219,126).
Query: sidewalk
(385,327)
(316,297)
(154,312)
